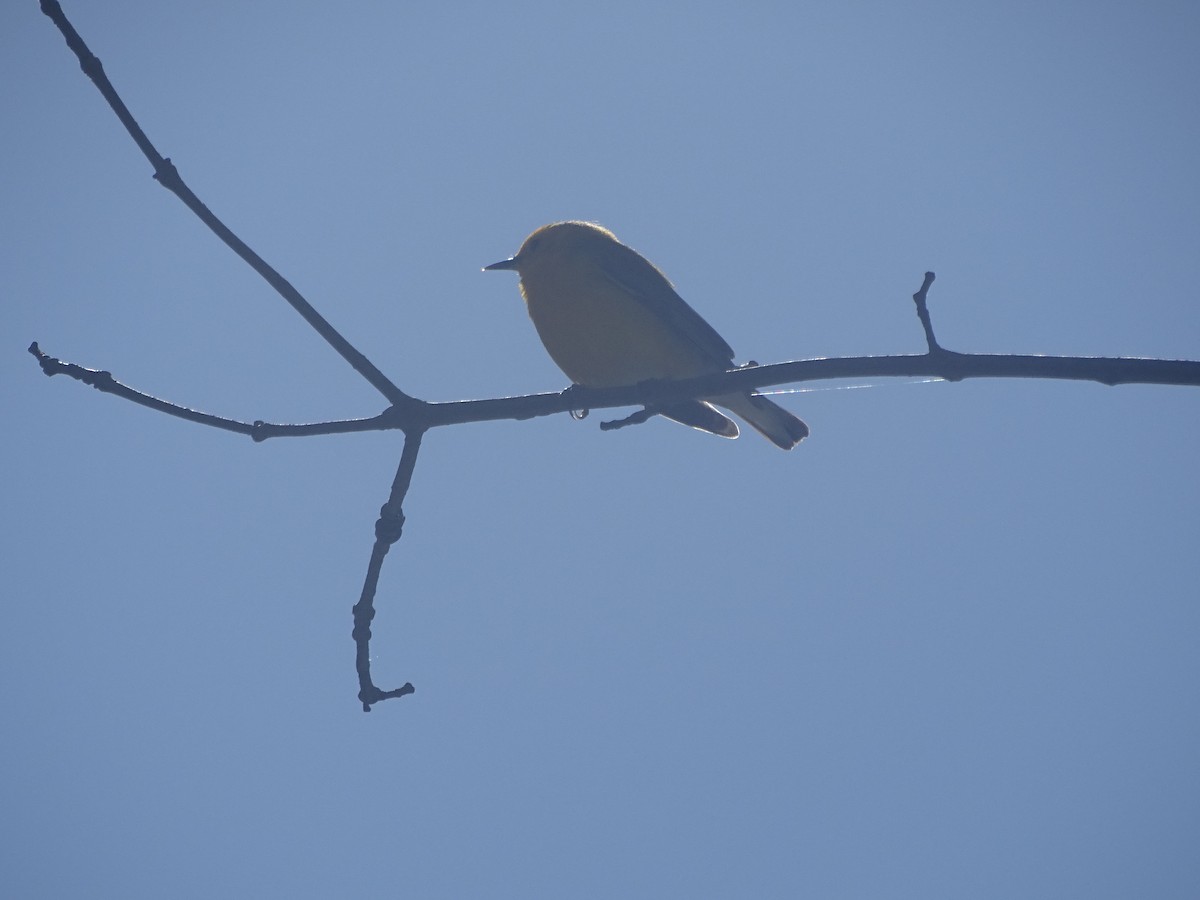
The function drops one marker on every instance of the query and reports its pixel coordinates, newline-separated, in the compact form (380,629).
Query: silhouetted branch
(919,298)
(420,414)
(168,176)
(388,527)
(259,431)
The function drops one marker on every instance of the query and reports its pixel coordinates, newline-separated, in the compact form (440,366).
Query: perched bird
(610,318)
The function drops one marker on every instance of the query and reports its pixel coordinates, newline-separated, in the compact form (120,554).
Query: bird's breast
(601,335)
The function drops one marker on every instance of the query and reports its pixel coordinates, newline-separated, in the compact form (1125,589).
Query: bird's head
(556,242)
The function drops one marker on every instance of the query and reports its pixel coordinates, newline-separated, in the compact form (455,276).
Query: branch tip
(373,696)
(919,298)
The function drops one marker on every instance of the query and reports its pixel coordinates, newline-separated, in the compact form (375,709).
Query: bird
(609,318)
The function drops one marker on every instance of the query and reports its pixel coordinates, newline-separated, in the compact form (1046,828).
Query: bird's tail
(770,419)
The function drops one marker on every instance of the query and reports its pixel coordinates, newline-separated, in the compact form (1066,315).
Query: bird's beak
(510,263)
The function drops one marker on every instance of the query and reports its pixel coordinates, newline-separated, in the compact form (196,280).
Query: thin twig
(105,383)
(388,527)
(923,313)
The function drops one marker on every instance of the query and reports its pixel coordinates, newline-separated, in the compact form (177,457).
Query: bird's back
(608,317)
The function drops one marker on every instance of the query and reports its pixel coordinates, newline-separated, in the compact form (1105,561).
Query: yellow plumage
(609,318)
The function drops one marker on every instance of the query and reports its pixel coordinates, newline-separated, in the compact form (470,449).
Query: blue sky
(944,648)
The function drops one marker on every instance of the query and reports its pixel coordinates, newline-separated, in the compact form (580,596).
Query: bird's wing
(641,278)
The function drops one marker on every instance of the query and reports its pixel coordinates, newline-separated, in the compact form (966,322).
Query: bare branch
(388,527)
(923,312)
(103,381)
(168,176)
(419,414)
